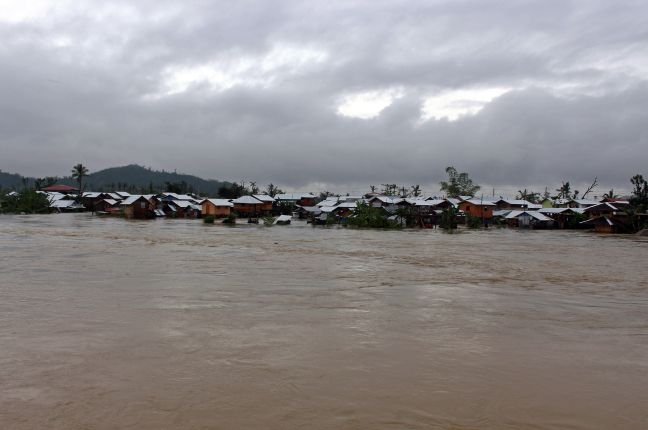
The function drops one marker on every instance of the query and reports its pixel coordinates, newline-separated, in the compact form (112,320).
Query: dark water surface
(173,324)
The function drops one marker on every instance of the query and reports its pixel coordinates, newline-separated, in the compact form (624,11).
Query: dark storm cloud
(251,90)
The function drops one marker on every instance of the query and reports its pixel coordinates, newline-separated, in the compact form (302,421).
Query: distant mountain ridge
(132,177)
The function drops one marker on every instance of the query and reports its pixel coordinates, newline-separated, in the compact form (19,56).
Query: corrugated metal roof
(600,206)
(220,202)
(263,197)
(390,200)
(599,220)
(246,200)
(55,196)
(535,214)
(294,196)
(283,218)
(329,201)
(61,204)
(132,199)
(553,210)
(429,202)
(586,202)
(351,205)
(480,202)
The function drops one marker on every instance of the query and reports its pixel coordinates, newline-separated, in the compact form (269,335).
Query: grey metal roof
(263,197)
(283,218)
(480,202)
(132,199)
(60,204)
(220,202)
(535,214)
(294,196)
(246,200)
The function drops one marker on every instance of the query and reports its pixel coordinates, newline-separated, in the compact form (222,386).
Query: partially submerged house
(66,205)
(528,219)
(138,207)
(106,206)
(266,202)
(300,199)
(248,206)
(185,208)
(477,208)
(216,207)
(562,217)
(607,218)
(515,204)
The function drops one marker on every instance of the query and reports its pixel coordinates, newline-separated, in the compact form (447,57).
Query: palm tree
(564,192)
(79,172)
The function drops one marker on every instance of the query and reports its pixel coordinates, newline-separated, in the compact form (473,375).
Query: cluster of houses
(607,215)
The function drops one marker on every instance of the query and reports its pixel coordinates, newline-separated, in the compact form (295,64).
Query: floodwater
(174,324)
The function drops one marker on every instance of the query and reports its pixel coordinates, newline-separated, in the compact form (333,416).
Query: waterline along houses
(605,215)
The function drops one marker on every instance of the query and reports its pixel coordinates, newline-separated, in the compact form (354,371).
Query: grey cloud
(576,109)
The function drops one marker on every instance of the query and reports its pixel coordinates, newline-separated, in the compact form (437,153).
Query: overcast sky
(329,94)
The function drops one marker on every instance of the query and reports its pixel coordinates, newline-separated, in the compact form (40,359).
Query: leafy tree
(639,197)
(326,194)
(367,216)
(474,221)
(253,188)
(458,184)
(610,194)
(232,191)
(405,215)
(79,172)
(416,190)
(172,187)
(273,190)
(449,218)
(27,201)
(50,180)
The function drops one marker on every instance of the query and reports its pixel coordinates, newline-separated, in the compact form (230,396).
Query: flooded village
(605,215)
(337,215)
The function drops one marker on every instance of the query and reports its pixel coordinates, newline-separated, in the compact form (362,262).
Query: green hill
(132,178)
(13,181)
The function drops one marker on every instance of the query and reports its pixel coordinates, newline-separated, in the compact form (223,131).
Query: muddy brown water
(173,324)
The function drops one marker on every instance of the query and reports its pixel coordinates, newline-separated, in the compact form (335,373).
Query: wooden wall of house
(476,210)
(308,201)
(247,209)
(208,208)
(138,210)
